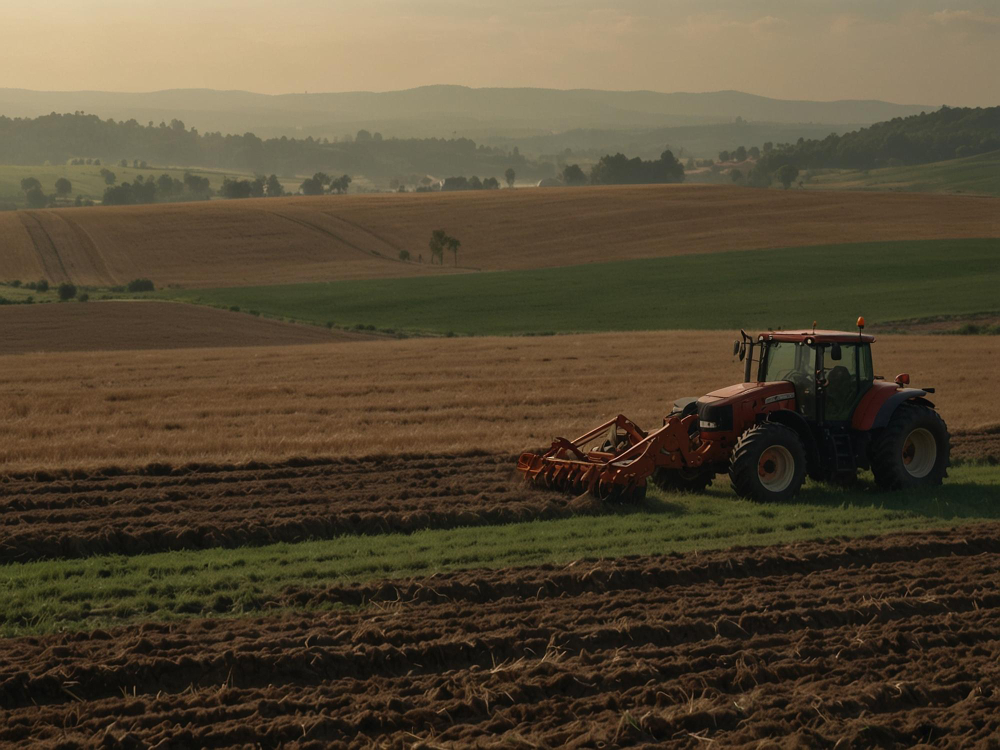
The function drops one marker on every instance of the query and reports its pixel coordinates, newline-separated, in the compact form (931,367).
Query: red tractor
(816,407)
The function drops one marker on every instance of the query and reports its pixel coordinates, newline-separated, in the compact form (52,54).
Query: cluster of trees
(35,197)
(88,162)
(742,153)
(439,242)
(472,183)
(259,187)
(321,182)
(620,170)
(157,190)
(60,137)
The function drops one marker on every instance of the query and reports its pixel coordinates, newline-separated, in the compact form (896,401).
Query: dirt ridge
(881,642)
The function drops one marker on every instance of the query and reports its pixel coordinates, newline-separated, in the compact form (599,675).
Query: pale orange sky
(906,51)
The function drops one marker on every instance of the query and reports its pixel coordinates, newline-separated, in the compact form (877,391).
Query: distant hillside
(974,174)
(443,110)
(945,134)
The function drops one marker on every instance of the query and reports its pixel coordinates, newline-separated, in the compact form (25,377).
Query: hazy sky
(907,51)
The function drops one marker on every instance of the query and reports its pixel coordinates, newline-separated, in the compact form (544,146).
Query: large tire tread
(743,471)
(886,455)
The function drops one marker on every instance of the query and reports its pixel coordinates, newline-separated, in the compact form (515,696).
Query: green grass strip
(48,596)
(784,288)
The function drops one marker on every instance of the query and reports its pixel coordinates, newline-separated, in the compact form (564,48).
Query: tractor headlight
(708,425)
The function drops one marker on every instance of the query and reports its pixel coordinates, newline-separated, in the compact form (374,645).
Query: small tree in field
(63,186)
(509,176)
(404,254)
(437,244)
(787,174)
(66,291)
(453,245)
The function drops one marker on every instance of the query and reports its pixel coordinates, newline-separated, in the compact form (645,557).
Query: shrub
(234,308)
(404,254)
(255,312)
(66,291)
(15,283)
(83,297)
(141,285)
(329,324)
(42,286)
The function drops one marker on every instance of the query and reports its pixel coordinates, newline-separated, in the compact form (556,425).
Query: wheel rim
(776,468)
(919,453)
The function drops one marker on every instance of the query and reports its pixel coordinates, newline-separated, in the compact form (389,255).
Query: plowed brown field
(268,241)
(890,641)
(502,395)
(131,326)
(160,508)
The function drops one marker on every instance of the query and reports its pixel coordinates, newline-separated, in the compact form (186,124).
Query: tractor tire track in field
(878,642)
(48,255)
(90,250)
(381,238)
(334,236)
(75,514)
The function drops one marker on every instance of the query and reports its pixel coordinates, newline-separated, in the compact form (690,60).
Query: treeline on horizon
(60,138)
(947,133)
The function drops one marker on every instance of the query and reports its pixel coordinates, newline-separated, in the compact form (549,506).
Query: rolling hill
(440,110)
(293,240)
(978,174)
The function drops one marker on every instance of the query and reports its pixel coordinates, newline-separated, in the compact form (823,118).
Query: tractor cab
(830,370)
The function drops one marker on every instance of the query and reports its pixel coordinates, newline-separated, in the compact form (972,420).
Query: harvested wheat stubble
(503,395)
(284,240)
(878,642)
(75,514)
(136,326)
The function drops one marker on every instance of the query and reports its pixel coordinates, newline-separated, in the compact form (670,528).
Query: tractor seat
(840,392)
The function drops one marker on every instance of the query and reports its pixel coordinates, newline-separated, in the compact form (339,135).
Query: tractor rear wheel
(914,450)
(768,463)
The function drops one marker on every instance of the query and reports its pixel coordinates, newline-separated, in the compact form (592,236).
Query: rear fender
(888,408)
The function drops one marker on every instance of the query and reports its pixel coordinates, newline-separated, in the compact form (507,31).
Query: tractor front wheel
(914,450)
(768,463)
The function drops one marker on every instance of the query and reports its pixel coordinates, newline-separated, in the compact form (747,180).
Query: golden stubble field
(269,241)
(144,324)
(89,409)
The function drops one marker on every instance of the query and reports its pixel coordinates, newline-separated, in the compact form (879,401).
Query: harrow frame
(619,474)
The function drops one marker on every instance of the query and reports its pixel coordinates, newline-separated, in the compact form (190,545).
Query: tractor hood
(732,409)
(744,391)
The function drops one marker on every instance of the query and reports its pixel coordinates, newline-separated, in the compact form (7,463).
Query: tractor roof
(816,337)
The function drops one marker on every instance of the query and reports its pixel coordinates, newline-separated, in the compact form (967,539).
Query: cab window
(848,377)
(795,363)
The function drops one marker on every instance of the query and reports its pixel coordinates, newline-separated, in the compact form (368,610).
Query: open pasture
(295,240)
(782,288)
(136,326)
(886,641)
(503,395)
(973,174)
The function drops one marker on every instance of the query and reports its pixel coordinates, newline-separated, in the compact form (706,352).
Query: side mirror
(835,353)
(736,347)
(903,379)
